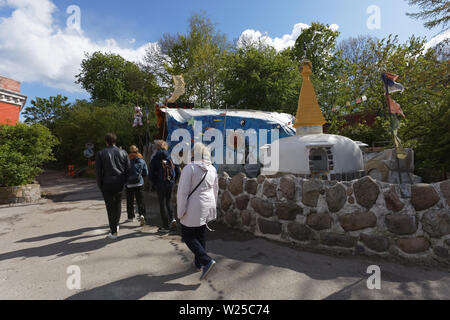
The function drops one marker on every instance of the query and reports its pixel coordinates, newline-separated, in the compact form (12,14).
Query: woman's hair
(161,145)
(201,152)
(134,149)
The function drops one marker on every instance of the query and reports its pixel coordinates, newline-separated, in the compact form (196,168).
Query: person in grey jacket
(112,166)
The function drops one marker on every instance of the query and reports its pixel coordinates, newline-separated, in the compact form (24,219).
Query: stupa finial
(308,112)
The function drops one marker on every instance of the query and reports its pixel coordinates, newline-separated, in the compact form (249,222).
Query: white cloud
(334,27)
(286,41)
(436,40)
(34,49)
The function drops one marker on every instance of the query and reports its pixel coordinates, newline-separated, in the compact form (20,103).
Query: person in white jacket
(197,194)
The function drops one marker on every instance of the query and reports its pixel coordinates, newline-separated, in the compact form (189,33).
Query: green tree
(317,44)
(89,122)
(46,111)
(109,77)
(23,150)
(197,55)
(259,78)
(424,102)
(435,12)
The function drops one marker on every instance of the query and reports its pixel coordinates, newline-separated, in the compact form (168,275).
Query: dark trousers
(137,193)
(195,239)
(113,203)
(164,195)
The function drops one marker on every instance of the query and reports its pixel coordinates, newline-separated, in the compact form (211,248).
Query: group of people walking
(196,195)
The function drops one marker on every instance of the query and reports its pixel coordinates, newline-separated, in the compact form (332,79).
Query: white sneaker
(112,236)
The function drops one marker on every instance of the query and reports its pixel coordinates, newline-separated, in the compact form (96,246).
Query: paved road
(38,243)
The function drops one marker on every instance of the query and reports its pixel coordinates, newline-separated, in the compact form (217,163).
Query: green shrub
(90,122)
(23,149)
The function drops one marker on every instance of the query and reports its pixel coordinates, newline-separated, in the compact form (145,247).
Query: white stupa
(311,153)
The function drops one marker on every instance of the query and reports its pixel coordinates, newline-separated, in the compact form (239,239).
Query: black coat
(156,167)
(112,167)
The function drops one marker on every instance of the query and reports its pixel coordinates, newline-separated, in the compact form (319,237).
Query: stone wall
(361,217)
(29,193)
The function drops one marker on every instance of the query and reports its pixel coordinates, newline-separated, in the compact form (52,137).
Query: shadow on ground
(69,246)
(136,287)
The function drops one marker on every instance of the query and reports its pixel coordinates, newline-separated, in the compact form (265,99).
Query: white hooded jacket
(201,207)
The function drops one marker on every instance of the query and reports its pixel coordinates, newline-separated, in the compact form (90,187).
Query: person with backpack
(164,174)
(197,195)
(135,185)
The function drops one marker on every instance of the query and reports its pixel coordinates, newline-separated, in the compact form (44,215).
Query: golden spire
(308,112)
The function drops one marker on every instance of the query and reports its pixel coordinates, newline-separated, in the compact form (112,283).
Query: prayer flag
(389,81)
(394,107)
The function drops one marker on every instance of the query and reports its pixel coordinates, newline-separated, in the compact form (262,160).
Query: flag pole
(392,130)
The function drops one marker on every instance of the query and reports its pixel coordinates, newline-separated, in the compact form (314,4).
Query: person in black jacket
(135,184)
(112,166)
(163,174)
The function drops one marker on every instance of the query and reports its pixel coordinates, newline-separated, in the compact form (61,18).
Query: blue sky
(44,55)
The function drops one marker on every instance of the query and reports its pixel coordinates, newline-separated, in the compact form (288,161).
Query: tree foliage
(46,111)
(424,102)
(89,122)
(23,150)
(109,77)
(259,78)
(317,44)
(435,12)
(197,55)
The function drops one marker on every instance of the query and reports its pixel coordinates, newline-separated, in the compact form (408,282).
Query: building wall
(9,114)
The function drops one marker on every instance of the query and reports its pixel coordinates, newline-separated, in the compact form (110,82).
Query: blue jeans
(195,239)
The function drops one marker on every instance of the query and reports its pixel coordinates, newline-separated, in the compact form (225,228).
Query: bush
(23,149)
(90,122)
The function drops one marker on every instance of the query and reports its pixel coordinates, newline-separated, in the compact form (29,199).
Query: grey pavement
(39,242)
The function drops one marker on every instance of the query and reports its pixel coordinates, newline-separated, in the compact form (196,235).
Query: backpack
(134,176)
(168,171)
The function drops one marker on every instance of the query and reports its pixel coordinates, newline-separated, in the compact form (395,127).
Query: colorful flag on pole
(336,108)
(394,107)
(395,124)
(389,80)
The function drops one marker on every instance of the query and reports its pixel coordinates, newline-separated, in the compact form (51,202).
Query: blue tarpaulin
(224,120)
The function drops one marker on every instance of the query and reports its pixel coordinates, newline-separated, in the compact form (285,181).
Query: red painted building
(11,101)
